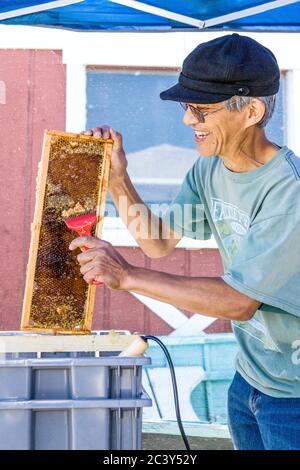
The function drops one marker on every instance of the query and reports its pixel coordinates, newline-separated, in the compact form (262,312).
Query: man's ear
(256,111)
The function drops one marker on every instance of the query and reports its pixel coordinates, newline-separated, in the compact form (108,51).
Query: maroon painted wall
(35,99)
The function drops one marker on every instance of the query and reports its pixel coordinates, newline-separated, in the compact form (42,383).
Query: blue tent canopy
(133,15)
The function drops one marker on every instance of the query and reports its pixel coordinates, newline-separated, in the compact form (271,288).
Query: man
(244,190)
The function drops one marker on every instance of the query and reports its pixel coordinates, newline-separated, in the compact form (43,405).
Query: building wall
(34,100)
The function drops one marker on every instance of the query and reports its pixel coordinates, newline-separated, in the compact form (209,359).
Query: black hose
(175,389)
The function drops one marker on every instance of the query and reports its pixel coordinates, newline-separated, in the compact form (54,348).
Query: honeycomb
(74,182)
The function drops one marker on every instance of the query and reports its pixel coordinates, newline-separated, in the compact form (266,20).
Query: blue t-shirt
(255,219)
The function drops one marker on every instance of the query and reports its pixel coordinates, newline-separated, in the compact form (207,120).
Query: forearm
(208,296)
(144,226)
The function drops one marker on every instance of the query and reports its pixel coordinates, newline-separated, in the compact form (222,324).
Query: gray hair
(237,103)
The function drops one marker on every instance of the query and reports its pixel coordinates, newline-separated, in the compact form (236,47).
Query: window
(160,149)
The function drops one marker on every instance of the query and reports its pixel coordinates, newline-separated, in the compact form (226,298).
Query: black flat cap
(224,67)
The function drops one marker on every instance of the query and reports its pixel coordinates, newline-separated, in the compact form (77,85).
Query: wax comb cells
(72,180)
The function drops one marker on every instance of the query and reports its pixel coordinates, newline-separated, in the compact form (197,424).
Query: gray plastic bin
(82,402)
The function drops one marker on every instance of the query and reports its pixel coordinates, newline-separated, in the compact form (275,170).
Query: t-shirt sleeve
(186,214)
(267,264)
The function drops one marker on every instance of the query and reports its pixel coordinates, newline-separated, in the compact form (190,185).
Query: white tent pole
(160,12)
(247,12)
(36,8)
(208,23)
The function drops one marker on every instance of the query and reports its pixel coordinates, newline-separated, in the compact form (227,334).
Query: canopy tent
(154,15)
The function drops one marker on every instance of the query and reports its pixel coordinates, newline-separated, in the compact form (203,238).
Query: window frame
(114,230)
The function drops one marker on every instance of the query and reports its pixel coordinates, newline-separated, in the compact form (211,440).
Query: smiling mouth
(199,135)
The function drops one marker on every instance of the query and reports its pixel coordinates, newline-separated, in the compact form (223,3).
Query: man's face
(222,130)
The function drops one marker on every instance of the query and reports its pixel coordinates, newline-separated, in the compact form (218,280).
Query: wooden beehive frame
(36,228)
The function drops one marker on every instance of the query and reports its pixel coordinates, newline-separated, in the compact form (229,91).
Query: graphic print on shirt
(232,224)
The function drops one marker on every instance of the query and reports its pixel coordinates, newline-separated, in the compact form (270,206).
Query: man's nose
(189,118)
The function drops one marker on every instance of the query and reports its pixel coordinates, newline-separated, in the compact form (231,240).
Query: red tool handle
(94,282)
(83,228)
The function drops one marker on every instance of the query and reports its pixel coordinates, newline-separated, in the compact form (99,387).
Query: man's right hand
(118,159)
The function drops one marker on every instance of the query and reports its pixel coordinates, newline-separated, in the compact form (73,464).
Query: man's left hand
(101,262)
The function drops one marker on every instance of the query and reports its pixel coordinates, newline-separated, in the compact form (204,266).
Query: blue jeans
(261,422)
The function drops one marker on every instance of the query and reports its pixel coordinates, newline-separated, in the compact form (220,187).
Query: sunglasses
(199,115)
